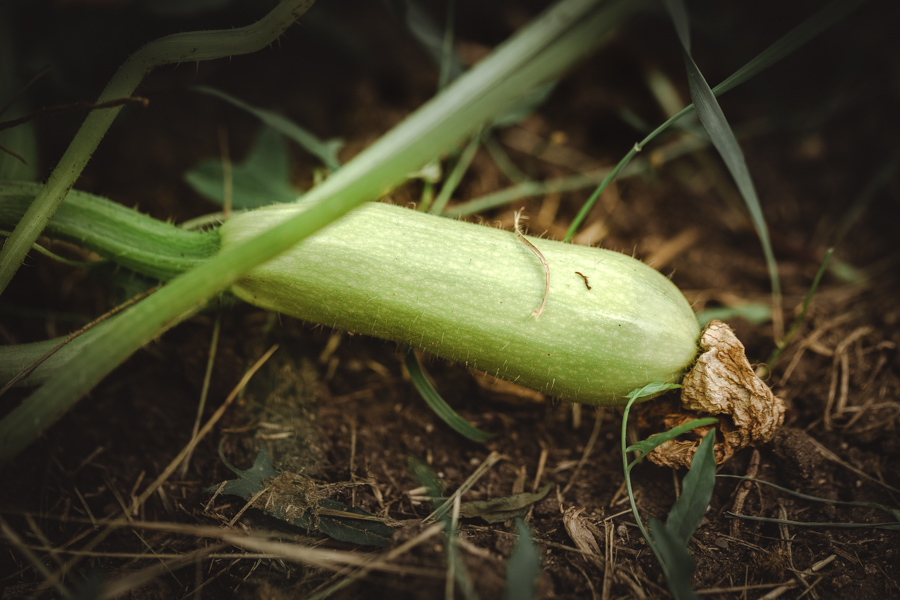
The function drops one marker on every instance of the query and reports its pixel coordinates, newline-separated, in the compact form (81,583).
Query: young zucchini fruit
(470,293)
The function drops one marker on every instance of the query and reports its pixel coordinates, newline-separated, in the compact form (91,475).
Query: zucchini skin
(467,292)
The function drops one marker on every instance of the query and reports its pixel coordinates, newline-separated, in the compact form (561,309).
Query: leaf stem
(627,468)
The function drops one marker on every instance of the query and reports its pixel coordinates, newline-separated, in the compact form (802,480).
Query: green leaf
(427,478)
(523,567)
(678,562)
(263,178)
(497,510)
(697,489)
(646,446)
(671,539)
(250,481)
(366,531)
(435,43)
(326,151)
(437,403)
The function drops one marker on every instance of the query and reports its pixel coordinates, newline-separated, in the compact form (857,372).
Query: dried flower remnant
(722,383)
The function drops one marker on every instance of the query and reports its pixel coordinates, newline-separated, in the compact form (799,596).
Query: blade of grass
(502,160)
(713,119)
(598,179)
(802,316)
(456,175)
(326,150)
(523,567)
(754,312)
(451,66)
(656,440)
(889,526)
(723,138)
(437,403)
(684,518)
(635,396)
(436,43)
(826,18)
(894,512)
(449,519)
(181,47)
(204,389)
(548,46)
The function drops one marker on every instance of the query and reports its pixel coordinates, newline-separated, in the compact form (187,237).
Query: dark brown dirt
(815,129)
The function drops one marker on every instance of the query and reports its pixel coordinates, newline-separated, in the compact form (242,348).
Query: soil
(816,130)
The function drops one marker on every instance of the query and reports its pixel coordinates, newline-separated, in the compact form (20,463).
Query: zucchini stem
(141,243)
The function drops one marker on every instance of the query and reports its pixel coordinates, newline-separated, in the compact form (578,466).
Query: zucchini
(469,292)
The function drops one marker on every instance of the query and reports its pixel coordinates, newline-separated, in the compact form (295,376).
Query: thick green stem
(127,237)
(194,46)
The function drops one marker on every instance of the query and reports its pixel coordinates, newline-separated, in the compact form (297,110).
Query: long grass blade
(713,119)
(324,150)
(894,512)
(802,316)
(456,175)
(826,18)
(821,21)
(524,566)
(438,404)
(826,524)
